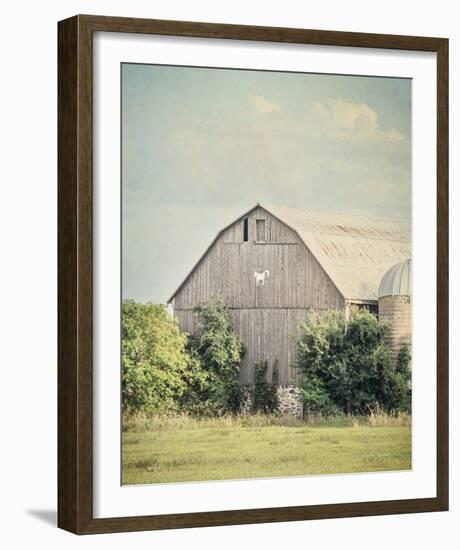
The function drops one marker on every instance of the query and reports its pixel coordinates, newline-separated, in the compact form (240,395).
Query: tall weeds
(377,418)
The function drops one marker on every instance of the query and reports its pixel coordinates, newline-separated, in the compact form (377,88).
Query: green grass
(178,450)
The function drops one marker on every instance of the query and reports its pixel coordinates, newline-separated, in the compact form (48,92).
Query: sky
(200,146)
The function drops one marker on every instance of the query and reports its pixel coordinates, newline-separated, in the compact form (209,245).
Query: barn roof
(354,250)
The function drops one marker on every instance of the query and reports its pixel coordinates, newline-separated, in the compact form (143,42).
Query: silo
(395,305)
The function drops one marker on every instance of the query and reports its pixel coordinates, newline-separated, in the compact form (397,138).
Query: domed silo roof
(396,281)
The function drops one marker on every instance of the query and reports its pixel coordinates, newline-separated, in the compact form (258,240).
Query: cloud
(344,114)
(354,121)
(347,114)
(263,105)
(394,136)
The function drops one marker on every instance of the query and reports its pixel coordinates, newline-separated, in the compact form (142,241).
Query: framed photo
(253,274)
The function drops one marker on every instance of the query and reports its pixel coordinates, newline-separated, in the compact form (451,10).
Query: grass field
(184,450)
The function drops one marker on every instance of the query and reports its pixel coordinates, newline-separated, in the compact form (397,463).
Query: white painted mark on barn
(260,277)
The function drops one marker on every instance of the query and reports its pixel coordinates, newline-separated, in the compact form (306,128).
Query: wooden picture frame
(75,246)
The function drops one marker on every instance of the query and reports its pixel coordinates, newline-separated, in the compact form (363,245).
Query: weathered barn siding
(268,334)
(267,317)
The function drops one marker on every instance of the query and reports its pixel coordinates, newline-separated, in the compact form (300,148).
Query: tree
(265,398)
(404,375)
(156,369)
(219,352)
(349,370)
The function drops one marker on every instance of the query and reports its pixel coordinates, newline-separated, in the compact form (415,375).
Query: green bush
(193,399)
(165,371)
(219,352)
(403,373)
(156,368)
(348,368)
(265,398)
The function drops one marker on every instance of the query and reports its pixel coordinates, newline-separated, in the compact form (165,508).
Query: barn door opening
(260,230)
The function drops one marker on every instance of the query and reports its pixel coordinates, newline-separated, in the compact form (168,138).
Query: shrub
(316,398)
(403,360)
(403,373)
(156,369)
(219,352)
(193,400)
(348,368)
(265,399)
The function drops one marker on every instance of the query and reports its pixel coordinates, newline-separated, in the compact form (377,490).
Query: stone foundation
(289,400)
(246,402)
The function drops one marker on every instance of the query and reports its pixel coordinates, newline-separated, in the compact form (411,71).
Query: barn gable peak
(354,250)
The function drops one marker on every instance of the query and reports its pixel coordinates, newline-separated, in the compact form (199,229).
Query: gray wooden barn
(276,264)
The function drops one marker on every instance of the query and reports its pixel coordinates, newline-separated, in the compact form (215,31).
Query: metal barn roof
(355,251)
